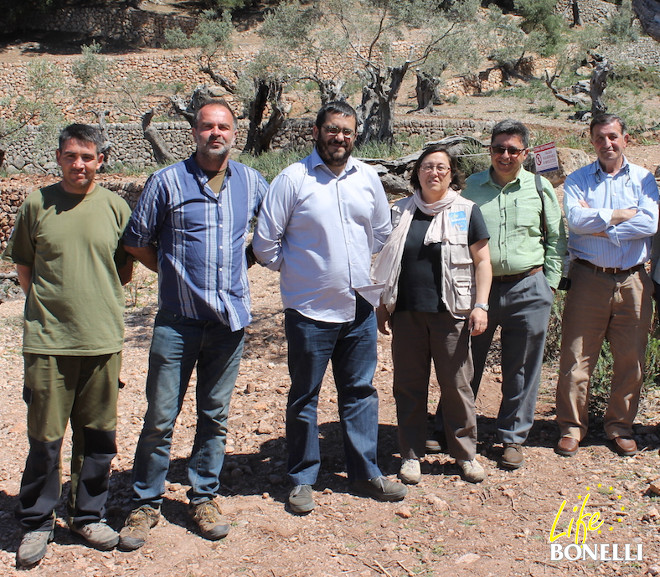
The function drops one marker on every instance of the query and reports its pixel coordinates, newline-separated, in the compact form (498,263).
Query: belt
(519,276)
(606,270)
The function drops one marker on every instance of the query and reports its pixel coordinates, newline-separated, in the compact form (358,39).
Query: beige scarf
(387,265)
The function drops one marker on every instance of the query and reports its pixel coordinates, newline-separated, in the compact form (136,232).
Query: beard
(210,151)
(337,157)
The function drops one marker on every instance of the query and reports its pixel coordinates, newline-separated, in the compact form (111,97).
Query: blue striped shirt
(628,243)
(200,238)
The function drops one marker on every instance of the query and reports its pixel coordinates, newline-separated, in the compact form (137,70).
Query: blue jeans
(351,347)
(178,343)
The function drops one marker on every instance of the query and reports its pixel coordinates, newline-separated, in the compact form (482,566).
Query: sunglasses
(512,150)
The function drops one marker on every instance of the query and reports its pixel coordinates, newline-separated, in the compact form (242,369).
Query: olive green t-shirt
(72,242)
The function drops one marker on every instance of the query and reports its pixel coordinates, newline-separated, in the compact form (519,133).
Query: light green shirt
(513,218)
(72,243)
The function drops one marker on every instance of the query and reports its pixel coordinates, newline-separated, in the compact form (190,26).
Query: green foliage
(544,26)
(211,35)
(474,158)
(619,27)
(46,84)
(271,163)
(89,70)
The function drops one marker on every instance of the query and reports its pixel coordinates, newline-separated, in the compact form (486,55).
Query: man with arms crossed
(321,221)
(190,225)
(611,207)
(67,250)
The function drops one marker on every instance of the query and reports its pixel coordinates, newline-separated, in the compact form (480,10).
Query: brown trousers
(418,338)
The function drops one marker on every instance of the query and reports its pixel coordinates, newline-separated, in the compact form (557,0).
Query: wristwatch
(483,306)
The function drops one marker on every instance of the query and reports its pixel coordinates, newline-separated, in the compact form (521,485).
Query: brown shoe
(212,525)
(567,446)
(513,457)
(137,526)
(624,446)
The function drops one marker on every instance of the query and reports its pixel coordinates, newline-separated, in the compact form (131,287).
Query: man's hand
(620,215)
(384,319)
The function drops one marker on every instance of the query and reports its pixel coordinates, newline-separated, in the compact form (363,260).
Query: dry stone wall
(122,24)
(130,149)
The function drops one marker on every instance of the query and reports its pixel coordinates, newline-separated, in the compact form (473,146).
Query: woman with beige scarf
(436,270)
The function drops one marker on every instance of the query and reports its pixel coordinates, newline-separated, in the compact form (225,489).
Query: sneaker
(513,457)
(99,535)
(136,527)
(301,499)
(208,516)
(33,547)
(437,443)
(472,471)
(380,488)
(410,472)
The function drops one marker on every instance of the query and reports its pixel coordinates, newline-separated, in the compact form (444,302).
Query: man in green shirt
(66,247)
(526,270)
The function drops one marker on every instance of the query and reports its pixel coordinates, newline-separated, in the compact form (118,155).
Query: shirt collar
(199,174)
(317,161)
(599,173)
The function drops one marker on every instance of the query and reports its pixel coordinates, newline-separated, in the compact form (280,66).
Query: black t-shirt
(420,280)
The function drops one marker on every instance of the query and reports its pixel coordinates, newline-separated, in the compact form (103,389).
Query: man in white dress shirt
(320,222)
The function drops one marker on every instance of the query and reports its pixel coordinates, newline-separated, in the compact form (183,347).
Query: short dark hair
(218,102)
(604,118)
(335,107)
(82,132)
(510,126)
(457,176)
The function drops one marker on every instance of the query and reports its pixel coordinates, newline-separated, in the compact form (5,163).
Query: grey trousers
(522,309)
(418,338)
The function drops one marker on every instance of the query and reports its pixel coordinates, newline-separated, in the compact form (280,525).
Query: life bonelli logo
(586,530)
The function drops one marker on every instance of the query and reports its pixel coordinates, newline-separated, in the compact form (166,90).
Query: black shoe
(380,488)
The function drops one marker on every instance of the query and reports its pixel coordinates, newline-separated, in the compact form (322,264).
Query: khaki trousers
(599,306)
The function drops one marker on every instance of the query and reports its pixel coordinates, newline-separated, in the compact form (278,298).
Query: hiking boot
(410,472)
(380,488)
(513,457)
(208,516)
(472,471)
(99,535)
(137,526)
(301,499)
(33,547)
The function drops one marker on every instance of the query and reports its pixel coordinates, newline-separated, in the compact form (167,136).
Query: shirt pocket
(527,216)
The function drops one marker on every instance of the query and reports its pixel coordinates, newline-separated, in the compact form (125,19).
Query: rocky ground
(445,526)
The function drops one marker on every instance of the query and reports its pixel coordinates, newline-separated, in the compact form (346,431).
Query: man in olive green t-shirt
(70,264)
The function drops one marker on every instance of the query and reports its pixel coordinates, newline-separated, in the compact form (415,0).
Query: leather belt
(606,270)
(519,276)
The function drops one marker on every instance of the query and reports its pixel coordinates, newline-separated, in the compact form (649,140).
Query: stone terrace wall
(591,11)
(131,149)
(120,24)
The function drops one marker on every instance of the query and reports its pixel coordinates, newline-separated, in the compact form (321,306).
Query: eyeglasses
(335,130)
(439,168)
(512,150)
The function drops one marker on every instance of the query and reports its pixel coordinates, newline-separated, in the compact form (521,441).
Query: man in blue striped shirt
(612,211)
(190,225)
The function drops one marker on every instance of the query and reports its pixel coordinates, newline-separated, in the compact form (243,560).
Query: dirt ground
(444,527)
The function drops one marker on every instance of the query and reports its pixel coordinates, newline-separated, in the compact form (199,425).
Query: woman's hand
(478,321)
(384,319)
